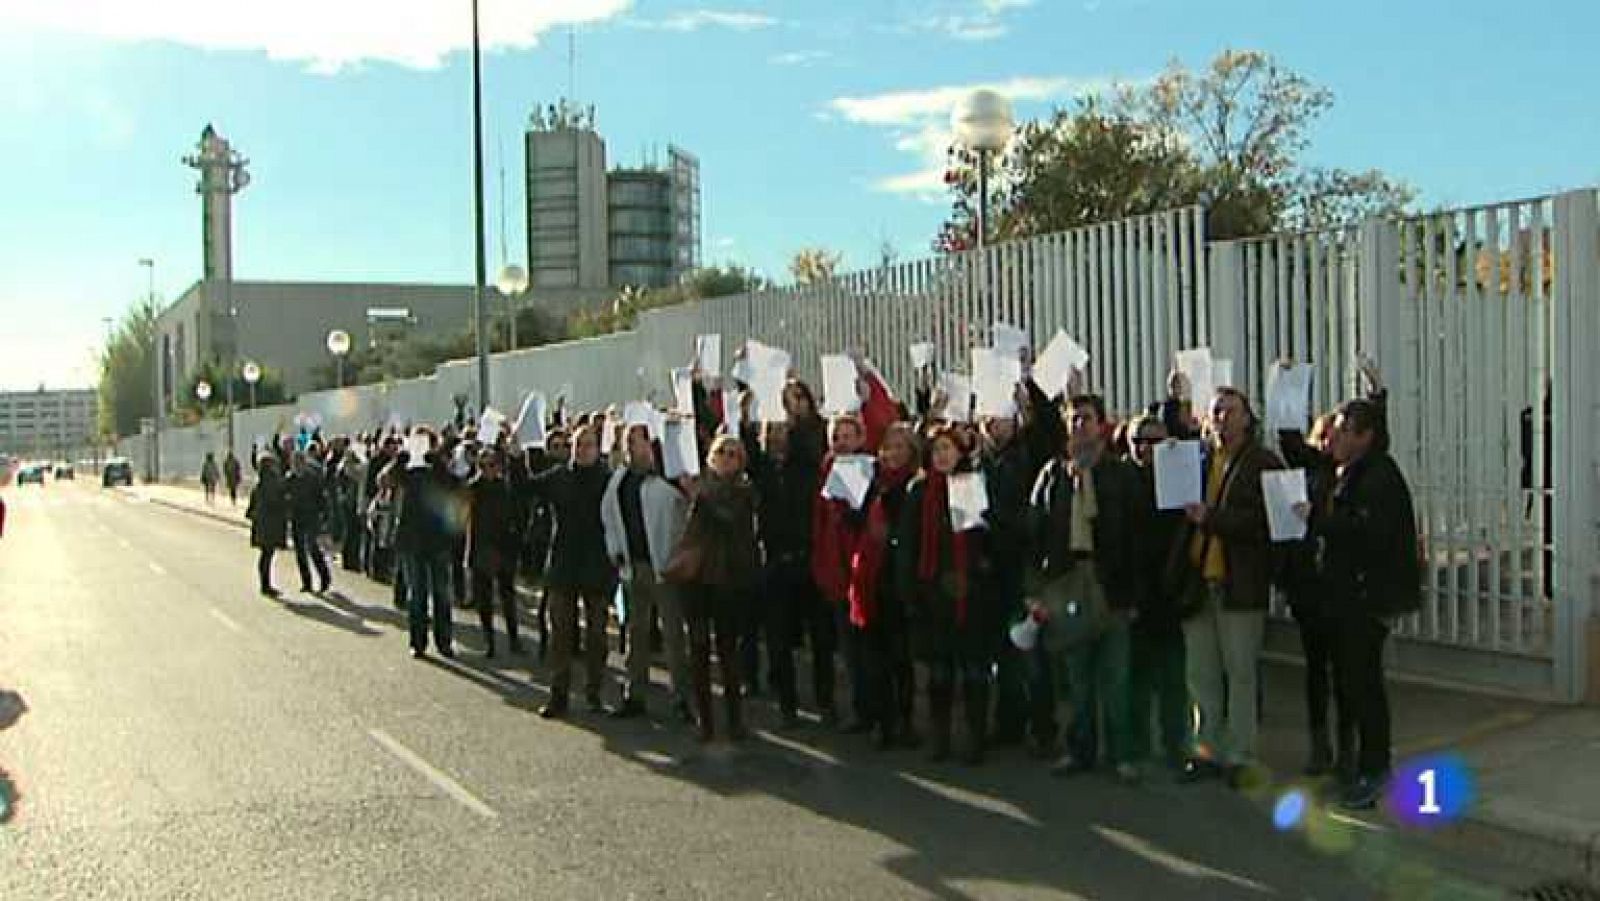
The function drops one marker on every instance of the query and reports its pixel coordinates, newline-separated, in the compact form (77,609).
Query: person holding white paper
(953,625)
(878,597)
(835,530)
(1086,508)
(1227,587)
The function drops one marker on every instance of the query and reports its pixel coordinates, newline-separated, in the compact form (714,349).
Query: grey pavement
(176,735)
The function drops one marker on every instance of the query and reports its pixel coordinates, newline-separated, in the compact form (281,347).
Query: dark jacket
(428,522)
(722,523)
(1300,565)
(787,489)
(1369,541)
(308,499)
(572,494)
(1158,531)
(936,632)
(491,529)
(268,512)
(1119,503)
(1239,519)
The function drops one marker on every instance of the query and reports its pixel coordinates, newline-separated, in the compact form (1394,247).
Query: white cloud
(995,7)
(967,28)
(695,19)
(919,122)
(798,57)
(326,35)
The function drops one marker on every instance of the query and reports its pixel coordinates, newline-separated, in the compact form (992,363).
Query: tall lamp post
(202,390)
(479,315)
(512,282)
(252,374)
(156,352)
(982,123)
(339,346)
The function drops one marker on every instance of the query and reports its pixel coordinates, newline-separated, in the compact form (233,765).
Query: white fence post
(1225,293)
(1386,332)
(1575,408)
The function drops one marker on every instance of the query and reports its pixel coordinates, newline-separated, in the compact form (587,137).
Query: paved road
(187,738)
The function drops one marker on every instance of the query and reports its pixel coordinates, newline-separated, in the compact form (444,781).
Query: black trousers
(795,612)
(308,553)
(1012,689)
(1319,640)
(1360,668)
(350,555)
(489,584)
(715,615)
(887,674)
(264,567)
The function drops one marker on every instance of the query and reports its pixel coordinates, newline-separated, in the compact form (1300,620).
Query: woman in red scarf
(880,589)
(834,528)
(951,629)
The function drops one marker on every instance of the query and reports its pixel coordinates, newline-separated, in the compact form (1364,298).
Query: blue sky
(817,123)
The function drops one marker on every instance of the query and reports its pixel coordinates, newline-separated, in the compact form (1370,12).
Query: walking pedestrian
(208,477)
(308,507)
(423,541)
(231,475)
(492,539)
(268,512)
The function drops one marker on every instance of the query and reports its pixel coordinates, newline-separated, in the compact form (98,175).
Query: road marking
(223,618)
(1150,852)
(449,786)
(156,568)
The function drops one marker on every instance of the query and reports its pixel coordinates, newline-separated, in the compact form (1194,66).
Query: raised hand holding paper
(1289,397)
(708,353)
(1282,489)
(957,388)
(683,390)
(530,421)
(839,385)
(417,451)
(1178,475)
(1009,341)
(1055,366)
(679,451)
(994,376)
(849,479)
(969,500)
(1195,364)
(921,355)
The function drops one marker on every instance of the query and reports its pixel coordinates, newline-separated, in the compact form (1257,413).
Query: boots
(976,707)
(702,702)
(940,700)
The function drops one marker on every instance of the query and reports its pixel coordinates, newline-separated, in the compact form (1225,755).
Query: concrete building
(595,230)
(41,424)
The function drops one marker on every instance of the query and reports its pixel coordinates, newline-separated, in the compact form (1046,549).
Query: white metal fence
(1484,321)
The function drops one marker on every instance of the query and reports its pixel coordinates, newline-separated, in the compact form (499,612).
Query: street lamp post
(252,374)
(202,390)
(158,360)
(982,123)
(512,282)
(339,345)
(478,313)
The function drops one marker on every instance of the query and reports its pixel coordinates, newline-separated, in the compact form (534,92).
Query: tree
(214,372)
(1231,137)
(699,284)
(127,380)
(811,265)
(416,355)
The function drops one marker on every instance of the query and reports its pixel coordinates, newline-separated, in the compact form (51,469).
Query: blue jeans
(427,578)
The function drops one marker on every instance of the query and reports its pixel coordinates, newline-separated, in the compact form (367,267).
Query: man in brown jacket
(1227,546)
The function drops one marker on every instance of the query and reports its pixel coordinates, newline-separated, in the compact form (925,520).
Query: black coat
(428,522)
(1158,530)
(1120,503)
(936,633)
(787,490)
(268,512)
(1299,566)
(722,523)
(572,494)
(491,528)
(308,499)
(1369,542)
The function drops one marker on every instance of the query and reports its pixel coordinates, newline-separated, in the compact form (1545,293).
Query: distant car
(63,471)
(118,471)
(33,473)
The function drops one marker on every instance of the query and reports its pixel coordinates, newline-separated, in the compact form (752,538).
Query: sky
(817,123)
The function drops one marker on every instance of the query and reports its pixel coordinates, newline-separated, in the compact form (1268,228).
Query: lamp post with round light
(513,281)
(339,346)
(252,374)
(982,123)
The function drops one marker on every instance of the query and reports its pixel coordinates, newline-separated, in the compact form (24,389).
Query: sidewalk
(1536,766)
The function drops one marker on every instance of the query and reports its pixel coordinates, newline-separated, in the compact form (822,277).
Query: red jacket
(833,542)
(878,411)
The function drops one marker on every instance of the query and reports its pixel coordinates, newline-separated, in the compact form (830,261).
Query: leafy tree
(127,382)
(214,372)
(700,284)
(811,265)
(1231,137)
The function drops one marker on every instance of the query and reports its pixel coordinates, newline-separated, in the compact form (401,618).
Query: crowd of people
(1073,615)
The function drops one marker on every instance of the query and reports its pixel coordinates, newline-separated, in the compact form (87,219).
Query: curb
(184,508)
(1549,855)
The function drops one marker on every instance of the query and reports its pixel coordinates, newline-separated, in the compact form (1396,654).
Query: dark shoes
(1363,794)
(1197,770)
(595,705)
(630,708)
(419,653)
(271,592)
(556,709)
(1067,766)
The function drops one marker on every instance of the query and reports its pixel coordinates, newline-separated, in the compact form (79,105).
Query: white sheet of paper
(1008,340)
(921,354)
(957,389)
(638,412)
(849,479)
(608,435)
(769,371)
(708,350)
(730,412)
(416,451)
(1179,476)
(1055,365)
(683,390)
(1195,364)
(994,381)
(1282,489)
(530,422)
(1221,374)
(969,500)
(839,385)
(680,455)
(1289,397)
(489,425)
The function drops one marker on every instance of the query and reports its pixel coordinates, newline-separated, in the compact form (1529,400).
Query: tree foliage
(127,381)
(214,372)
(811,265)
(623,312)
(1231,137)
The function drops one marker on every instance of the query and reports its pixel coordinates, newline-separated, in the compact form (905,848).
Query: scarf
(832,542)
(870,547)
(935,523)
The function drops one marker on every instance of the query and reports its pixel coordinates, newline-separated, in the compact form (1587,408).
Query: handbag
(686,563)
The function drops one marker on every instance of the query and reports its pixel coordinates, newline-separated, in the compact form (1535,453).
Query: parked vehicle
(33,472)
(118,471)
